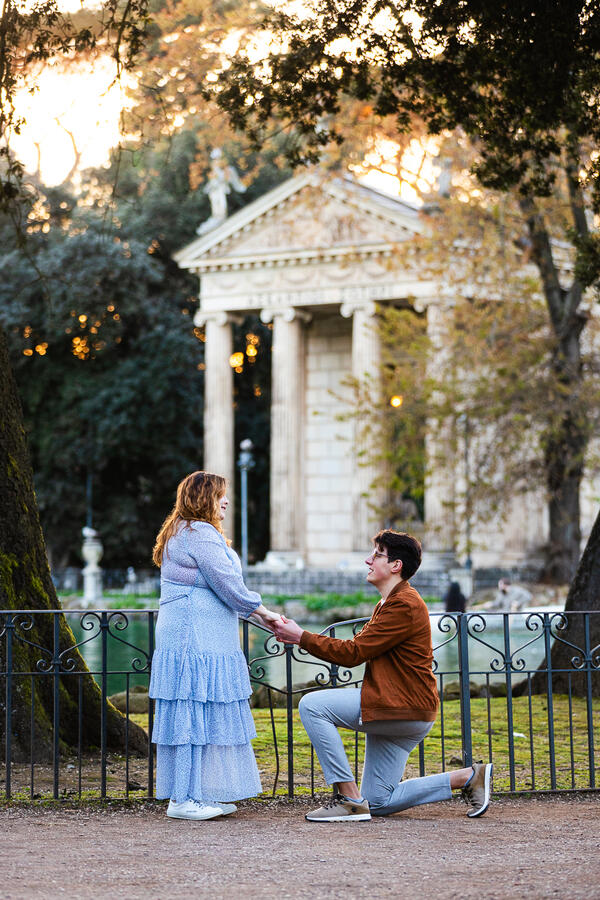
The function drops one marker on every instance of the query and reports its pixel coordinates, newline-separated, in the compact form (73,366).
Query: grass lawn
(442,751)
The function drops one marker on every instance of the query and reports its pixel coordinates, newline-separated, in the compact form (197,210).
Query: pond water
(487,636)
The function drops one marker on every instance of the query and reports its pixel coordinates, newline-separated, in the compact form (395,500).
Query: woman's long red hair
(198,497)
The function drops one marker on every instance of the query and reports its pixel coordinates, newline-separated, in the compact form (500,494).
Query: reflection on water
(489,637)
(493,640)
(126,648)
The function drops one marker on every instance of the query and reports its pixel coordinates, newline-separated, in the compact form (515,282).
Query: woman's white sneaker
(226,808)
(190,809)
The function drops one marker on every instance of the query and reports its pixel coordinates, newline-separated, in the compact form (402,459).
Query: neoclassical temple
(314,257)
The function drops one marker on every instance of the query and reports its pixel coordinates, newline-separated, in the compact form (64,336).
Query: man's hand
(287,631)
(265,617)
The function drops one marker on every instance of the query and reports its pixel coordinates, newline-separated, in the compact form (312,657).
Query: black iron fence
(521,689)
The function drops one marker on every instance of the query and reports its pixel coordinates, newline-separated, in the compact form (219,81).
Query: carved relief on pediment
(308,225)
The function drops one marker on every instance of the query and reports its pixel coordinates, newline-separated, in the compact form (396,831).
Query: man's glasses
(377,553)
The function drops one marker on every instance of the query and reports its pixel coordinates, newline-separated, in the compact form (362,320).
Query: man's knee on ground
(378,797)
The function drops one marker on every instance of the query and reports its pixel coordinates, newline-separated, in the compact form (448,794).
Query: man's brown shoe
(341,809)
(477,790)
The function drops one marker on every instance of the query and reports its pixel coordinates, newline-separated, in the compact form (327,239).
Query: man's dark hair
(400,545)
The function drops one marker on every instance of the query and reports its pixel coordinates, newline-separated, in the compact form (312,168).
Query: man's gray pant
(387,747)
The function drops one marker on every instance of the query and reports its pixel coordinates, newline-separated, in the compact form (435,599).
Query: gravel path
(543,847)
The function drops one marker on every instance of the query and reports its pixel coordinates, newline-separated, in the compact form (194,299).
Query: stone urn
(91,552)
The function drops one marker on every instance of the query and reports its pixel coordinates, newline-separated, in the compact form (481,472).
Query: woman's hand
(266,617)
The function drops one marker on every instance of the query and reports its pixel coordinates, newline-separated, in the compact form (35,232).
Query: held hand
(267,618)
(288,631)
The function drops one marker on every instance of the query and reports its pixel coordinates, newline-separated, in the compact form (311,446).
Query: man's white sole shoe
(363,817)
(480,800)
(194,812)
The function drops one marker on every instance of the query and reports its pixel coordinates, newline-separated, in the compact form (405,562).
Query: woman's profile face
(223,504)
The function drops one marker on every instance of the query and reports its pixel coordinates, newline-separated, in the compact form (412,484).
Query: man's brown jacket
(395,644)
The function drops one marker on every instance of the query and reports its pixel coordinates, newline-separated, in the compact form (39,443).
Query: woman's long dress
(203,725)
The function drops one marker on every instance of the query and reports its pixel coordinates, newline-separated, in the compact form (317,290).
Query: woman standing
(203,725)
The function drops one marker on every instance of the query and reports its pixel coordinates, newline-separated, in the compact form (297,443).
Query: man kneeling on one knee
(396,706)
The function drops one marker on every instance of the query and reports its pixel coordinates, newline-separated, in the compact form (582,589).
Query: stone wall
(315,581)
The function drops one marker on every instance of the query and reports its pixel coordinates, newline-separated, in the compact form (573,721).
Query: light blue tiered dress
(203,725)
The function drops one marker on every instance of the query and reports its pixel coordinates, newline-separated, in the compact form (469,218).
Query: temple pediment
(306,217)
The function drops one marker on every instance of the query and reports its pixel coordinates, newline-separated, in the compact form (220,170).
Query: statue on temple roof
(222,179)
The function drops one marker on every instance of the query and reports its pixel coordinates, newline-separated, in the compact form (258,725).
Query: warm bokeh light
(396,401)
(236,360)
(72,117)
(411,174)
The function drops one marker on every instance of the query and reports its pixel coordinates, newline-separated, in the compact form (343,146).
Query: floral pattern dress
(203,725)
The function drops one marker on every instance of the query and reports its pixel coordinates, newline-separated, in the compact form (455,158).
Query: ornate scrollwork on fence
(446,624)
(476,625)
(20,622)
(120,622)
(272,649)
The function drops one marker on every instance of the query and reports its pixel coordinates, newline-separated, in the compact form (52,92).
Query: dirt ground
(523,847)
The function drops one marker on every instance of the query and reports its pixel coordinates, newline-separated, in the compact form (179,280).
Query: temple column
(366,357)
(439,543)
(287,413)
(219,451)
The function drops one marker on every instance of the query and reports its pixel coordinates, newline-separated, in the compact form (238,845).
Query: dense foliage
(109,364)
(109,381)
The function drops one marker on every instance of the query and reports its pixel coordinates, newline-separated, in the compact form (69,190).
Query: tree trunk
(583,596)
(25,584)
(564,457)
(566,442)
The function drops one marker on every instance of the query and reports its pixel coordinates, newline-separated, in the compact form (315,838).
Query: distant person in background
(454,599)
(511,597)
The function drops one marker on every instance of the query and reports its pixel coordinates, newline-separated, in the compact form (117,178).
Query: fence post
(509,707)
(289,649)
(334,666)
(245,641)
(10,625)
(590,714)
(56,700)
(465,692)
(549,698)
(104,638)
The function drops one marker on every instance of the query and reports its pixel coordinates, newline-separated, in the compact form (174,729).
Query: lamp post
(468,560)
(245,462)
(89,503)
